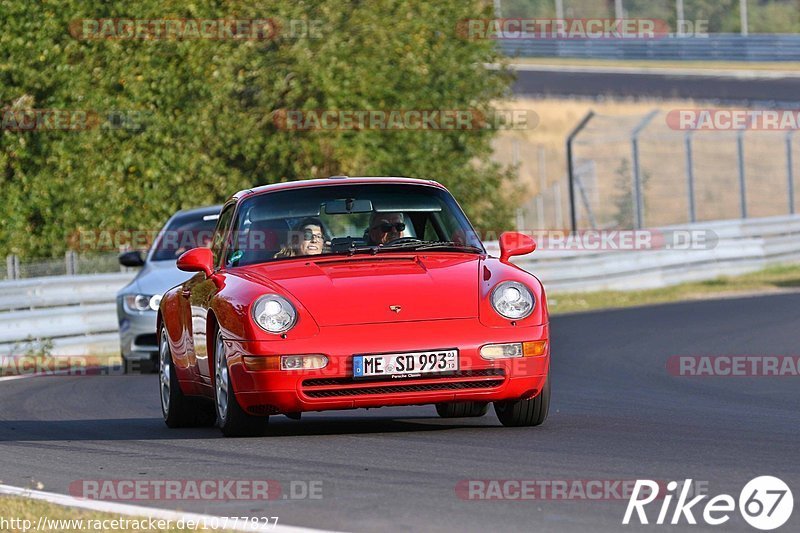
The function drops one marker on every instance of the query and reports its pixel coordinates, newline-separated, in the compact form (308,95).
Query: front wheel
(462,409)
(178,409)
(231,418)
(531,412)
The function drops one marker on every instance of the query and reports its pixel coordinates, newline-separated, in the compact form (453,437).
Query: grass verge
(24,514)
(771,280)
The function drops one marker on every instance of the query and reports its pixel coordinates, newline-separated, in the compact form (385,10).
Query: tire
(462,409)
(231,418)
(519,413)
(178,409)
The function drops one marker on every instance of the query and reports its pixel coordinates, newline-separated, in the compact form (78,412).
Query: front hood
(377,289)
(157,277)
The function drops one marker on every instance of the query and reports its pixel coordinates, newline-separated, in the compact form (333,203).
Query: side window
(220,234)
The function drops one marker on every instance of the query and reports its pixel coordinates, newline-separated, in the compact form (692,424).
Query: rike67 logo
(765,503)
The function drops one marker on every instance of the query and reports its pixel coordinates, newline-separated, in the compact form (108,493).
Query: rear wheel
(231,418)
(531,412)
(178,409)
(462,409)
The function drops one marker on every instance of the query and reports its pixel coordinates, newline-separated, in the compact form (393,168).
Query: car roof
(199,211)
(333,180)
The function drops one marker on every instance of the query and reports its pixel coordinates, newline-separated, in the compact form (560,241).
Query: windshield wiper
(450,245)
(432,245)
(407,246)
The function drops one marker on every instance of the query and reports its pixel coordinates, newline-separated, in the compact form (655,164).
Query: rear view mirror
(346,206)
(513,243)
(131,259)
(197,260)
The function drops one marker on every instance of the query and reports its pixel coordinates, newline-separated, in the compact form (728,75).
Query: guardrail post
(71,260)
(638,196)
(571,169)
(12,265)
(742,175)
(690,177)
(790,170)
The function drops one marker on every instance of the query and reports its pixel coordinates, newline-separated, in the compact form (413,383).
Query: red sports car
(351,292)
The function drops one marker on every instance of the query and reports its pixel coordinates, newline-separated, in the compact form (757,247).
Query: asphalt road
(616,415)
(717,88)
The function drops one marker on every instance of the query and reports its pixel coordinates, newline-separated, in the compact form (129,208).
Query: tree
(182,123)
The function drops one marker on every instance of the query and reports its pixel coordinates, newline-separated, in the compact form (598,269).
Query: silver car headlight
(513,300)
(274,313)
(138,303)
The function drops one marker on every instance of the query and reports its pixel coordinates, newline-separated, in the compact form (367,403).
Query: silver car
(138,301)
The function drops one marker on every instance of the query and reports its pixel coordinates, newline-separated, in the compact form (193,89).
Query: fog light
(263,362)
(534,349)
(502,351)
(303,362)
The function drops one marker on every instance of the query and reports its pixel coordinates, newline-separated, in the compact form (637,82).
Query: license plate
(405,365)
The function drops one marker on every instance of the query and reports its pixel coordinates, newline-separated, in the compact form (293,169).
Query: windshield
(184,233)
(348,219)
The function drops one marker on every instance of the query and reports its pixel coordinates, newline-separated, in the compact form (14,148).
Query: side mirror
(513,243)
(197,260)
(131,259)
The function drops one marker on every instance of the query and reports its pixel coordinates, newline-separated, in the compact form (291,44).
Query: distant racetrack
(616,414)
(726,87)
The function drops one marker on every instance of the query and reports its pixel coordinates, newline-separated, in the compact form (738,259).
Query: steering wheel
(402,240)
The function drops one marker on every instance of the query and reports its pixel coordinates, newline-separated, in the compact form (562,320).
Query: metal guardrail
(725,47)
(741,246)
(78,312)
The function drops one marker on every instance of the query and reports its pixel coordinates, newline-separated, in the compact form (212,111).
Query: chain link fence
(72,264)
(637,171)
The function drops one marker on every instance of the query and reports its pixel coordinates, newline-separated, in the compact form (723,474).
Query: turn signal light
(262,362)
(534,349)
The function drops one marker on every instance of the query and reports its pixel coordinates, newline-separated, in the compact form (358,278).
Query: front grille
(148,339)
(337,387)
(391,389)
(321,382)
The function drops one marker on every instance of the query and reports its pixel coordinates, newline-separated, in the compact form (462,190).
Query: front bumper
(277,391)
(137,334)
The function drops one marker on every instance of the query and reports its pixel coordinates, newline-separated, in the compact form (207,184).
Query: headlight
(142,302)
(274,313)
(513,300)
